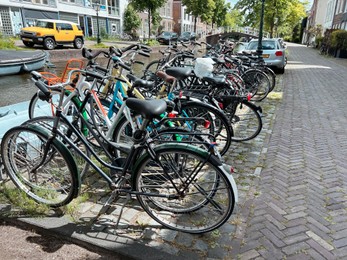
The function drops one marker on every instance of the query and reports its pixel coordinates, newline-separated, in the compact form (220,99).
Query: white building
(15,14)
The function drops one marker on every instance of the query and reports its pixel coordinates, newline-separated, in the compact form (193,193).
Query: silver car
(274,53)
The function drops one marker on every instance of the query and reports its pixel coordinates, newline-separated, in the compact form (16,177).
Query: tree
(200,8)
(132,21)
(151,6)
(233,19)
(219,13)
(277,13)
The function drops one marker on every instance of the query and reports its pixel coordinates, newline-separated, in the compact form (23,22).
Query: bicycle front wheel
(184,189)
(55,182)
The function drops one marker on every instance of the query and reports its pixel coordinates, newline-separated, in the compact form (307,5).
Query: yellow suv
(51,33)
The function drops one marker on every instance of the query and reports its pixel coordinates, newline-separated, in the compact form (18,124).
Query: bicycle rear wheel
(257,83)
(245,120)
(219,126)
(186,190)
(56,182)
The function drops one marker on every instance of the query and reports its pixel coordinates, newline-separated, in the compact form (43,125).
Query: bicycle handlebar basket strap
(203,67)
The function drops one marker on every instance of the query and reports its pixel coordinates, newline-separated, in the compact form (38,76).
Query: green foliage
(233,18)
(19,199)
(132,21)
(339,39)
(220,12)
(103,33)
(7,43)
(319,40)
(151,42)
(280,16)
(100,46)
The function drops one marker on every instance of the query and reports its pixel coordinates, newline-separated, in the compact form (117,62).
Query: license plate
(266,55)
(27,39)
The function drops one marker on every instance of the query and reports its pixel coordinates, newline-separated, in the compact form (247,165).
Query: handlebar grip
(114,50)
(93,74)
(124,66)
(139,62)
(128,48)
(36,75)
(144,48)
(87,53)
(144,54)
(43,88)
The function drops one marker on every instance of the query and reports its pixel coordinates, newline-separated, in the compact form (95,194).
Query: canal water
(19,88)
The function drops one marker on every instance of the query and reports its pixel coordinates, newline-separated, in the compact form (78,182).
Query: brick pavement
(301,210)
(291,181)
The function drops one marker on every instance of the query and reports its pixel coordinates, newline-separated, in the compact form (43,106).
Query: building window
(113,7)
(42,2)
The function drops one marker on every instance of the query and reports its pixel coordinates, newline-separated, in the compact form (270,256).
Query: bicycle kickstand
(105,208)
(128,197)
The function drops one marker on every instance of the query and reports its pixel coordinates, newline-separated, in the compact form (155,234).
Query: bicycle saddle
(147,108)
(179,72)
(218,80)
(137,82)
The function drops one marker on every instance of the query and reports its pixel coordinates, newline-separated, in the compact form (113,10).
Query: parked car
(187,36)
(274,53)
(50,33)
(167,37)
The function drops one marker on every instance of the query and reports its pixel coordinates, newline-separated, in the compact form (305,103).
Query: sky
(233,2)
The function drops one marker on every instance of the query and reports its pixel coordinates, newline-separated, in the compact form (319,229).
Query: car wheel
(29,44)
(49,43)
(78,43)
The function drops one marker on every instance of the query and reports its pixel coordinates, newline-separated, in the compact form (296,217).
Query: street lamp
(97,9)
(260,41)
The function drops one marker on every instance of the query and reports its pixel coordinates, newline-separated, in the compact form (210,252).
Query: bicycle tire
(38,107)
(209,198)
(272,77)
(56,182)
(47,122)
(245,120)
(257,83)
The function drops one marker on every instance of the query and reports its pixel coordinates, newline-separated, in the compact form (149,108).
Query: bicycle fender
(256,108)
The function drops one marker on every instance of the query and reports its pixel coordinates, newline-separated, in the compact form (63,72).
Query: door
(89,26)
(64,33)
(81,21)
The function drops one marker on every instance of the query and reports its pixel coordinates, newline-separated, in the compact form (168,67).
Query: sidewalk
(138,236)
(292,181)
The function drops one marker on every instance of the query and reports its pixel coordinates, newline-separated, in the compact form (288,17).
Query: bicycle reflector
(249,96)
(207,124)
(181,94)
(220,104)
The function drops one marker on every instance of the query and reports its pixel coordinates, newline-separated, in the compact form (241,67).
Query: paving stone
(184,239)
(200,245)
(168,235)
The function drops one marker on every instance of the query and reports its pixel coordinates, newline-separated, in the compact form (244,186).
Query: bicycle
(180,186)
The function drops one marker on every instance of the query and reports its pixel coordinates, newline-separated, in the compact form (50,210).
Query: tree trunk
(149,24)
(195,18)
